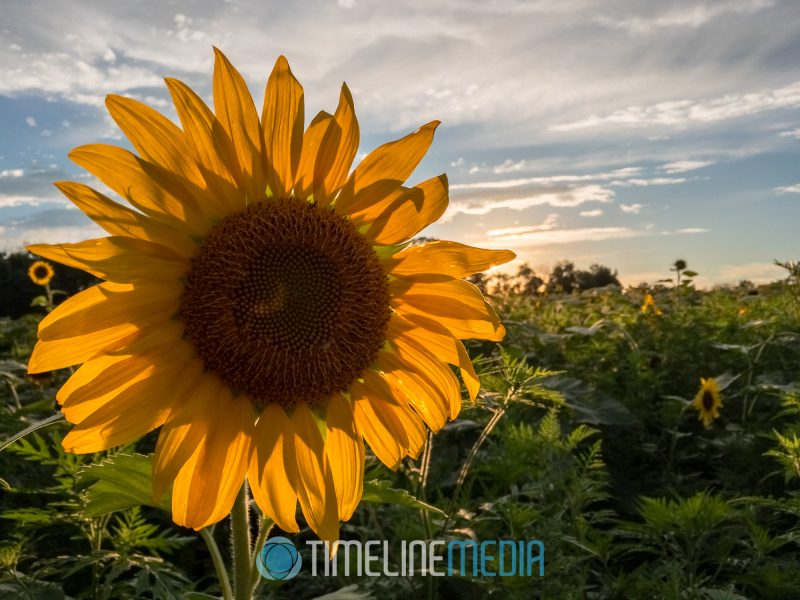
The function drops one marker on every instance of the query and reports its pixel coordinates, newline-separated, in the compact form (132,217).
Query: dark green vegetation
(583,437)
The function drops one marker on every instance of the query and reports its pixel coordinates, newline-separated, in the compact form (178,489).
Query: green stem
(240,542)
(219,566)
(265,525)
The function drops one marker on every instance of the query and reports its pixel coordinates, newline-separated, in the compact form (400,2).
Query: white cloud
(789,189)
(550,223)
(12,173)
(691,230)
(681,166)
(633,209)
(680,113)
(547,180)
(9,200)
(597,212)
(691,17)
(30,121)
(795,133)
(564,236)
(636,182)
(566,198)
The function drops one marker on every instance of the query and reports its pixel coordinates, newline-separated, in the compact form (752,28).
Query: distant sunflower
(649,305)
(41,272)
(260,304)
(708,401)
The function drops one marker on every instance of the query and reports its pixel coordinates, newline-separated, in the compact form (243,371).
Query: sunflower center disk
(286,302)
(708,400)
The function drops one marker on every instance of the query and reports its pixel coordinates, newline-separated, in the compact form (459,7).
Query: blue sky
(629,133)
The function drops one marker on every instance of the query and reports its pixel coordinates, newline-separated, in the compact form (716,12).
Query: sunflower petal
(404,214)
(109,304)
(117,258)
(282,120)
(345,450)
(346,146)
(438,340)
(305,185)
(271,471)
(211,146)
(207,484)
(237,114)
(152,189)
(129,414)
(383,171)
(120,220)
(314,486)
(448,259)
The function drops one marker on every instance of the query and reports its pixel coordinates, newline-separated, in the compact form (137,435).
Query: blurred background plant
(584,436)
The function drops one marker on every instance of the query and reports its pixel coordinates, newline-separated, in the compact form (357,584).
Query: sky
(629,133)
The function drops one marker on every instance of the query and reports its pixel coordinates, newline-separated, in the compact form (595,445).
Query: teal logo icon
(279,559)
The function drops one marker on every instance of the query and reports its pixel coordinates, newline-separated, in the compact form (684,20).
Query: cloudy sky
(625,132)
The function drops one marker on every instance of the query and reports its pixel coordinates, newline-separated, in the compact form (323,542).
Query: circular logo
(279,559)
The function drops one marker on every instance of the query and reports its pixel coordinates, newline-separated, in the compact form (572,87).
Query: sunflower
(708,401)
(649,305)
(41,272)
(260,304)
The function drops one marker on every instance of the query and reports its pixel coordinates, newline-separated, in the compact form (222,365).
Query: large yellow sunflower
(260,305)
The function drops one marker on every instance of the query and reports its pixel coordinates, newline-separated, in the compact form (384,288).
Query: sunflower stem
(240,542)
(219,566)
(265,526)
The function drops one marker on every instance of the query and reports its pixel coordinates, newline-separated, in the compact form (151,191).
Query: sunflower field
(647,436)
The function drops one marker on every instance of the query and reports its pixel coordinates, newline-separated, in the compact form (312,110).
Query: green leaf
(690,274)
(117,483)
(379,492)
(589,404)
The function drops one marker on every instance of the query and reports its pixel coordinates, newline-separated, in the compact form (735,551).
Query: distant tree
(480,280)
(597,276)
(563,279)
(528,282)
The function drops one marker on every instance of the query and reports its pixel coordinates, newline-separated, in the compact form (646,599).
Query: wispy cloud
(564,236)
(597,212)
(691,17)
(640,182)
(548,180)
(680,113)
(692,230)
(633,209)
(565,198)
(795,133)
(788,189)
(550,223)
(682,166)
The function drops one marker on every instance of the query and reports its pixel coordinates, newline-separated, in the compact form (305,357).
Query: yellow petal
(449,259)
(237,114)
(342,147)
(131,413)
(314,485)
(384,170)
(185,429)
(111,304)
(58,354)
(150,188)
(155,137)
(402,215)
(113,376)
(380,418)
(345,450)
(207,484)
(117,258)
(383,444)
(438,340)
(211,147)
(282,119)
(117,219)
(270,468)
(450,302)
(305,184)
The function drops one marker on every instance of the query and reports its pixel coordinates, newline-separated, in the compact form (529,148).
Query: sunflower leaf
(117,483)
(379,492)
